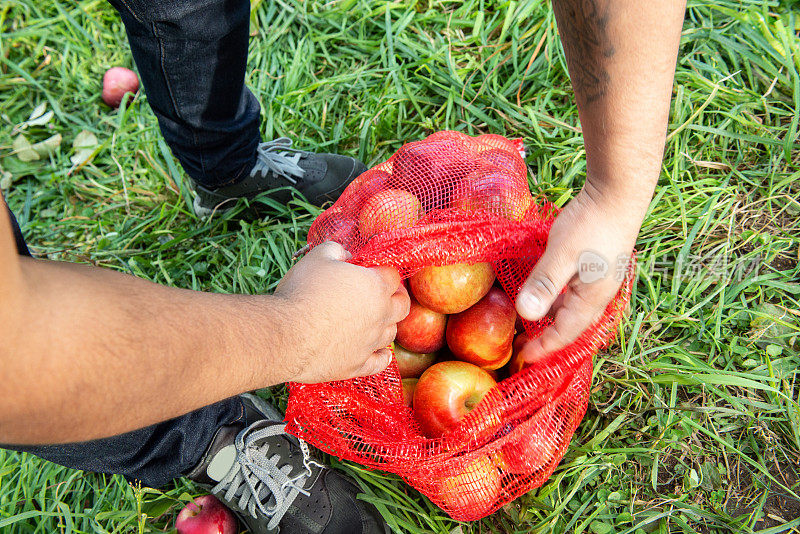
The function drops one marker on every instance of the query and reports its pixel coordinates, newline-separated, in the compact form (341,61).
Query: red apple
(388,210)
(505,161)
(490,141)
(429,168)
(497,192)
(517,364)
(482,335)
(422,330)
(452,288)
(474,491)
(446,392)
(531,448)
(412,364)
(206,515)
(116,82)
(409,385)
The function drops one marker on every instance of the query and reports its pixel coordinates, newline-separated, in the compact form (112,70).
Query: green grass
(693,424)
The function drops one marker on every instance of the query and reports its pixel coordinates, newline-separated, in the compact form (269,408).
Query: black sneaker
(319,177)
(269,480)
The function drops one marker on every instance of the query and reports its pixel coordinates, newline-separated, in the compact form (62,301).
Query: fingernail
(529,307)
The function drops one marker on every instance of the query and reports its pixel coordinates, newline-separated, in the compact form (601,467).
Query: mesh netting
(452,198)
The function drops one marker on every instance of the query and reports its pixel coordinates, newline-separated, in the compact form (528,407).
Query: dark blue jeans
(191,56)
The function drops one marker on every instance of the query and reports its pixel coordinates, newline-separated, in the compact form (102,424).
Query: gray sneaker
(279,168)
(269,480)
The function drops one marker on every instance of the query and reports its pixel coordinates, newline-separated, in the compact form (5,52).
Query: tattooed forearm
(583,25)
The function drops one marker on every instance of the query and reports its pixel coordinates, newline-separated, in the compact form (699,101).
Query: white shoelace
(257,480)
(279,157)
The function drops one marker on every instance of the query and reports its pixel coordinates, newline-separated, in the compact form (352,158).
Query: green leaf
(774,350)
(598,527)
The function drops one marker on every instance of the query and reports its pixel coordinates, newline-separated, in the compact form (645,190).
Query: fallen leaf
(24,149)
(84,145)
(48,146)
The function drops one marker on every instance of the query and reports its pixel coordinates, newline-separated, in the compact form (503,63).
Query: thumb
(548,277)
(377,362)
(333,251)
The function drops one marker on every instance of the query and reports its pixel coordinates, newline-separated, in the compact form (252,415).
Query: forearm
(621,56)
(89,352)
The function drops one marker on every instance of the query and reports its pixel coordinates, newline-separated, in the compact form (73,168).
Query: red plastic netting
(474,205)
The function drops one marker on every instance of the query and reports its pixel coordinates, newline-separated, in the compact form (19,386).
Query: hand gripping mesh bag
(452,198)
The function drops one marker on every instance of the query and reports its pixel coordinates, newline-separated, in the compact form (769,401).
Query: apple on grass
(206,515)
(482,334)
(451,288)
(411,364)
(474,490)
(116,82)
(409,385)
(448,391)
(422,330)
(388,210)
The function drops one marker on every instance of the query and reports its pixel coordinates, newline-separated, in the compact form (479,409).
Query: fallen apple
(388,210)
(448,391)
(206,515)
(412,364)
(116,82)
(422,330)
(451,288)
(482,334)
(475,490)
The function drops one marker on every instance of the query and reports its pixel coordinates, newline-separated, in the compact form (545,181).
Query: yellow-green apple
(482,334)
(451,288)
(497,192)
(411,364)
(206,515)
(422,330)
(448,391)
(473,491)
(388,210)
(409,385)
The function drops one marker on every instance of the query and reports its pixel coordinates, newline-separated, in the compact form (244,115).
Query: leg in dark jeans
(153,455)
(192,56)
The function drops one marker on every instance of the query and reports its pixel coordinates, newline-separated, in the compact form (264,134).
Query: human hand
(586,243)
(346,315)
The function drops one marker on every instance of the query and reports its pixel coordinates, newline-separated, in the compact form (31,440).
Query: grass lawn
(693,423)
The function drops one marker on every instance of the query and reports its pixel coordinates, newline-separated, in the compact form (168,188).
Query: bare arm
(89,352)
(621,56)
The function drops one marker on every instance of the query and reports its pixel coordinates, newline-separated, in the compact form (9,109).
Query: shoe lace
(258,479)
(280,158)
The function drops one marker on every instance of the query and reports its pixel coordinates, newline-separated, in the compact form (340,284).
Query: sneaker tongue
(221,464)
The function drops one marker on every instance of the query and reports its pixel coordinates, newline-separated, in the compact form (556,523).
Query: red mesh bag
(452,198)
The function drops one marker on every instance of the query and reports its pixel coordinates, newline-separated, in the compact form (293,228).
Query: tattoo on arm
(583,25)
